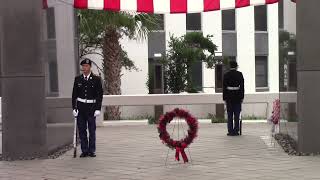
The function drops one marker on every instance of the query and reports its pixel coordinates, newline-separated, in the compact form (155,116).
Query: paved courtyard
(135,152)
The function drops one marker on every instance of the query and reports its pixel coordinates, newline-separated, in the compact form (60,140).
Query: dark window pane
(220,70)
(219,77)
(151,69)
(53,76)
(194,22)
(197,76)
(161,23)
(228,20)
(156,44)
(76,42)
(261,71)
(158,77)
(281,26)
(260,18)
(51,28)
(76,24)
(292,76)
(229,43)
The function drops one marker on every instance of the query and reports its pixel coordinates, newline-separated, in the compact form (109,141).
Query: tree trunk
(112,69)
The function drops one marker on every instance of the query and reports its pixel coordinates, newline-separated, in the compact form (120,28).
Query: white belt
(233,88)
(90,101)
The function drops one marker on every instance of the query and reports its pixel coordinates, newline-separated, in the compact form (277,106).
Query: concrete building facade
(248,35)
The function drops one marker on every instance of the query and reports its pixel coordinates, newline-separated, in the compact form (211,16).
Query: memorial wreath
(178,145)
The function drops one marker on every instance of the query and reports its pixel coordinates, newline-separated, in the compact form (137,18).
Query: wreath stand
(178,121)
(176,117)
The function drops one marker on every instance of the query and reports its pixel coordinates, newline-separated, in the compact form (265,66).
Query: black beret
(233,64)
(86,61)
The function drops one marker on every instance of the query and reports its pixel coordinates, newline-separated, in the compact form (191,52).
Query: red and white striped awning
(160,6)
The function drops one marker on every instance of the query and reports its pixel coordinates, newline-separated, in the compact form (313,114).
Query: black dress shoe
(236,134)
(83,155)
(230,134)
(91,154)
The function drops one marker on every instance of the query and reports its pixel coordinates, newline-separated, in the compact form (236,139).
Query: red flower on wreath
(179,145)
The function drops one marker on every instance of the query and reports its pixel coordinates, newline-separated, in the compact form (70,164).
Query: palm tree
(103,30)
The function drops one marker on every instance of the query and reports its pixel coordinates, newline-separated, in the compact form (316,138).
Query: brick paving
(135,152)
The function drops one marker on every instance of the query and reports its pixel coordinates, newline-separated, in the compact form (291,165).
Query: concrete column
(23,88)
(308,67)
(211,25)
(273,49)
(289,15)
(246,54)
(65,37)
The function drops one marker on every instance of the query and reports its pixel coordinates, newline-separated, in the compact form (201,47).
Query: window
(161,23)
(76,42)
(158,76)
(193,22)
(220,69)
(197,76)
(155,81)
(229,20)
(281,15)
(51,61)
(261,71)
(292,76)
(53,77)
(156,44)
(260,18)
(51,28)
(219,77)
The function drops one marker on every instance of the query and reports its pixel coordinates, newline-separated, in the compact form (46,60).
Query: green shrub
(253,117)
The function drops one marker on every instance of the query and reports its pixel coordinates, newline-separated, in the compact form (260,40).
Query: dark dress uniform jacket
(233,86)
(90,89)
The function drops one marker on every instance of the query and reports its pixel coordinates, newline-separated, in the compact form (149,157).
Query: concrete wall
(60,123)
(23,81)
(205,99)
(134,82)
(308,68)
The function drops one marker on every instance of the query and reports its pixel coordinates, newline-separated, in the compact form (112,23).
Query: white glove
(97,113)
(75,112)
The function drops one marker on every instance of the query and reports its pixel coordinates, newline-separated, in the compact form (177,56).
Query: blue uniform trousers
(233,109)
(86,120)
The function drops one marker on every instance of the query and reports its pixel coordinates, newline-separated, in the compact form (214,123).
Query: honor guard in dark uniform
(86,102)
(233,94)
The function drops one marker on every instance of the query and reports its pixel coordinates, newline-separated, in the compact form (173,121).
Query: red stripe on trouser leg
(113,5)
(178,6)
(81,4)
(242,3)
(145,6)
(211,5)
